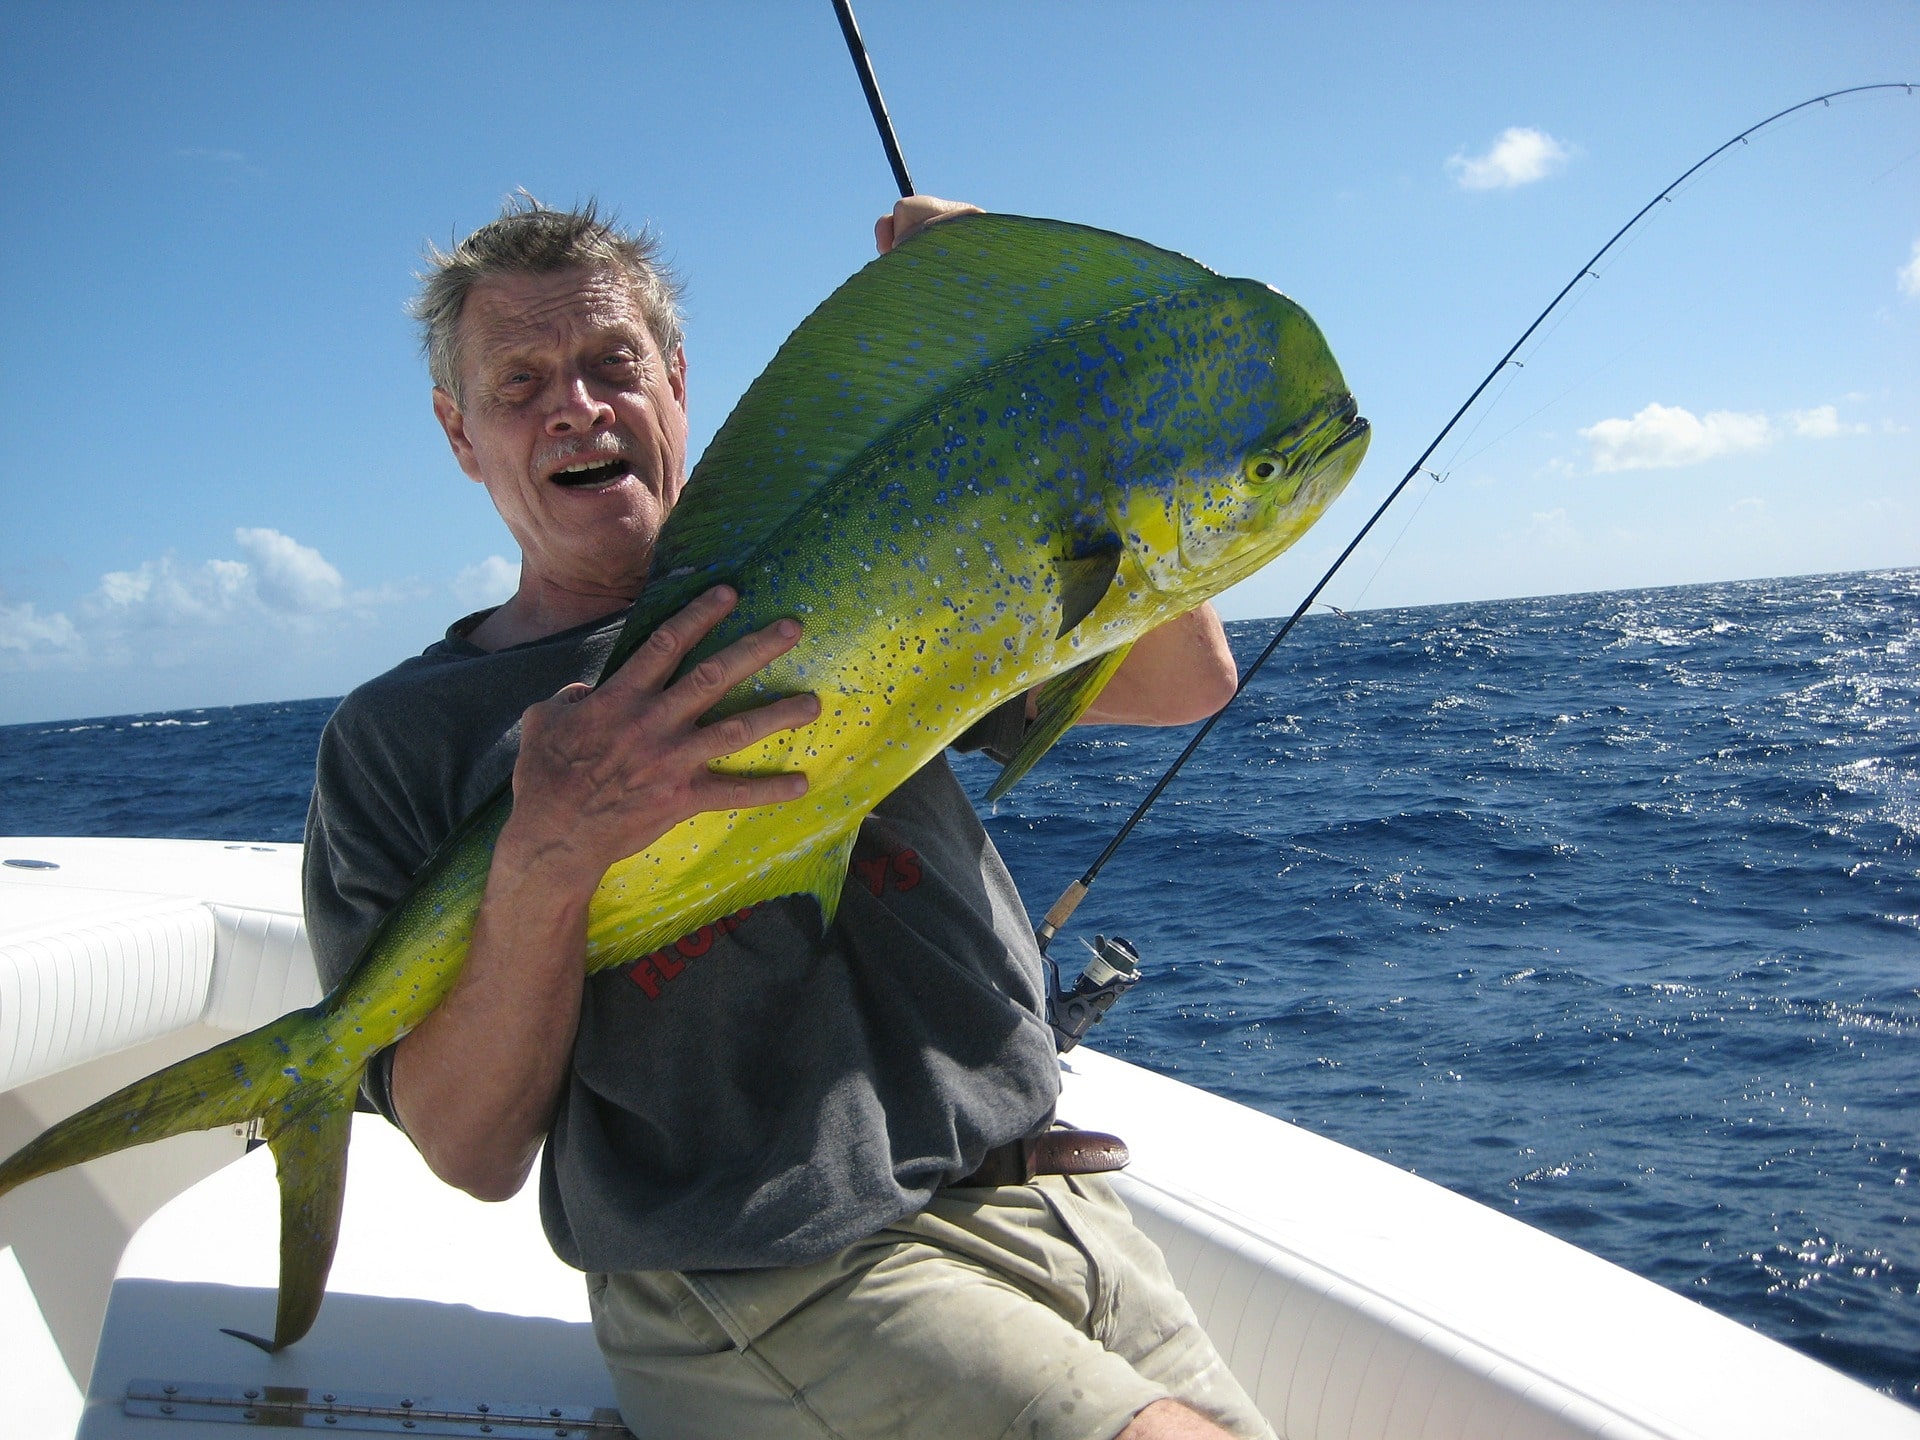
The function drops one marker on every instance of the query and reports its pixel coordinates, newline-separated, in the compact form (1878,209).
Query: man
(760,1143)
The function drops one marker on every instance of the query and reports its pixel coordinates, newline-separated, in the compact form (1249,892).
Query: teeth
(585,465)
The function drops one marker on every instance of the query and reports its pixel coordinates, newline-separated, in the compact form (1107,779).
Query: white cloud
(24,630)
(1665,437)
(164,594)
(166,612)
(1909,274)
(1551,529)
(228,166)
(1520,156)
(488,583)
(289,576)
(1820,423)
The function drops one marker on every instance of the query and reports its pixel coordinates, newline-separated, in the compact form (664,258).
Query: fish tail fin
(305,1117)
(309,1143)
(231,1084)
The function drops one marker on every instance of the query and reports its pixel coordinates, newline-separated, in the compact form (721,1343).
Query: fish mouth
(1344,412)
(1305,447)
(1357,429)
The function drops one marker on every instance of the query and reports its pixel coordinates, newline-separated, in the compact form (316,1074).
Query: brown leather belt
(1052,1152)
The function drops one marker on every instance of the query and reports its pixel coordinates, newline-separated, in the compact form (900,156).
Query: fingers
(743,792)
(750,727)
(912,215)
(702,687)
(604,773)
(660,656)
(650,670)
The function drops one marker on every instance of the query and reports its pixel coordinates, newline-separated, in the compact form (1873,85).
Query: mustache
(587,447)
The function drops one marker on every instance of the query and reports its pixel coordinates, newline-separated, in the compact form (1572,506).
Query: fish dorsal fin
(889,343)
(1063,700)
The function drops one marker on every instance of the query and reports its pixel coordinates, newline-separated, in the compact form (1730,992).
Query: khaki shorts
(1034,1310)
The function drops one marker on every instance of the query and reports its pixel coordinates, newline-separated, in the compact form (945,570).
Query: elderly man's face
(573,421)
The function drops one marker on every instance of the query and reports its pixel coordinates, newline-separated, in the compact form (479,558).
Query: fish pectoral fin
(310,1153)
(1083,582)
(1063,700)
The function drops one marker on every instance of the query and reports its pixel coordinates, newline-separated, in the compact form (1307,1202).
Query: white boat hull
(1353,1299)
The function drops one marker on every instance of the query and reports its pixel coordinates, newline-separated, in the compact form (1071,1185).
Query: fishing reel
(1113,969)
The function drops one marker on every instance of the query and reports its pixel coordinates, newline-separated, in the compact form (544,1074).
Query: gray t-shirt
(756,1093)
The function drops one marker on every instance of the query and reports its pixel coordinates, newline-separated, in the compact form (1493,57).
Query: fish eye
(1271,478)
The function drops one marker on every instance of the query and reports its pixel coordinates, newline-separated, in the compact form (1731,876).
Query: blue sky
(220,473)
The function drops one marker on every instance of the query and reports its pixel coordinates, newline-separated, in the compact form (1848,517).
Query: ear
(447,411)
(677,377)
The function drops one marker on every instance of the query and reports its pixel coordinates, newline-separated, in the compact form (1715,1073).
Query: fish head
(1262,438)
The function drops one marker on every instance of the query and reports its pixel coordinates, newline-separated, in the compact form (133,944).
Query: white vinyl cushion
(86,990)
(263,969)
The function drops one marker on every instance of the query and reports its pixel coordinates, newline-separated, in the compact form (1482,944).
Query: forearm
(1178,673)
(476,1085)
(602,774)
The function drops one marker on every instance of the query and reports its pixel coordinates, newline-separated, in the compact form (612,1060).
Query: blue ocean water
(1603,910)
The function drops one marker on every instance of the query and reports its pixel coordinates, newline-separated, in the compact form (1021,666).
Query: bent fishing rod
(1070,899)
(1115,968)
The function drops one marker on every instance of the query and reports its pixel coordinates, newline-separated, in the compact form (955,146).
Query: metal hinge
(287,1406)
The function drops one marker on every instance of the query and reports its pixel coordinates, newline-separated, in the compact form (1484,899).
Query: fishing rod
(1115,966)
(1109,976)
(857,48)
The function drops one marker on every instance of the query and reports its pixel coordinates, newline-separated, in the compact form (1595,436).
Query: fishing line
(1071,897)
(1124,963)
(1439,479)
(1906,160)
(1540,410)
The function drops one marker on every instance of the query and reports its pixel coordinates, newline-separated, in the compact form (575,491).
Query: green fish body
(989,462)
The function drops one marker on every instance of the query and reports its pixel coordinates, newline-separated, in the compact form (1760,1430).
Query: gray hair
(530,239)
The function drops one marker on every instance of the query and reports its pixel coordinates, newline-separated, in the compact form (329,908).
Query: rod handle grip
(1061,912)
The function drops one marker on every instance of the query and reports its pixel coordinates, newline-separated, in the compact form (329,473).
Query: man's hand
(602,774)
(912,215)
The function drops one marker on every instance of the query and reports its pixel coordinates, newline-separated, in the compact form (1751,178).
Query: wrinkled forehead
(516,313)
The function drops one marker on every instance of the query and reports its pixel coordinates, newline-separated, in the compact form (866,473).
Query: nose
(577,410)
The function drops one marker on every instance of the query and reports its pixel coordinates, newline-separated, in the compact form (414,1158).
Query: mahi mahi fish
(989,462)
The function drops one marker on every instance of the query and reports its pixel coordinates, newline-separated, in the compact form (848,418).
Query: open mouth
(1353,426)
(586,474)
